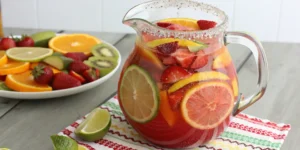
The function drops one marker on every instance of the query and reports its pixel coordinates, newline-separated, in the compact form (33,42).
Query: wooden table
(29,124)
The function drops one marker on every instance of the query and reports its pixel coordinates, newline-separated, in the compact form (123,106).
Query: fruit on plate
(24,82)
(78,67)
(4,87)
(206,24)
(7,43)
(105,50)
(58,62)
(24,41)
(197,77)
(28,54)
(3,58)
(144,90)
(173,74)
(77,76)
(186,22)
(95,126)
(73,43)
(204,110)
(14,67)
(41,39)
(64,81)
(32,65)
(91,74)
(61,142)
(104,64)
(42,74)
(80,56)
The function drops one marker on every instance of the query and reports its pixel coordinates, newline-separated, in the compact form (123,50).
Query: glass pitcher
(179,87)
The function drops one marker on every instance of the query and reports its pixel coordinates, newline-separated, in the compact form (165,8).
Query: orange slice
(149,55)
(197,77)
(12,67)
(32,65)
(166,110)
(24,82)
(3,58)
(207,105)
(235,87)
(73,43)
(222,60)
(186,22)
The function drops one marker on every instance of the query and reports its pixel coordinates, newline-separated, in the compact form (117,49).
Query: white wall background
(269,20)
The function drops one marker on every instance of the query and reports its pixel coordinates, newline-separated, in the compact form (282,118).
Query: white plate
(64,92)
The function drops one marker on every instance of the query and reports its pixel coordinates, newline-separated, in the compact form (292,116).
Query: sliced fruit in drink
(104,64)
(24,82)
(105,50)
(173,74)
(4,87)
(186,22)
(197,77)
(235,87)
(3,58)
(150,56)
(167,48)
(176,97)
(184,57)
(41,39)
(13,67)
(222,60)
(73,43)
(200,61)
(166,110)
(61,142)
(58,62)
(139,94)
(181,42)
(207,104)
(197,48)
(28,54)
(206,24)
(95,126)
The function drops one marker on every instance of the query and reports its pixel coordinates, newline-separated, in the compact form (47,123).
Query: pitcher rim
(221,27)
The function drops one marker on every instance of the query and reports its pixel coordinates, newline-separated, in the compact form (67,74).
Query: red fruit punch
(173,74)
(200,61)
(184,57)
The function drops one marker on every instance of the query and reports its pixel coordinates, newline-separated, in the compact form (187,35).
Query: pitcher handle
(261,62)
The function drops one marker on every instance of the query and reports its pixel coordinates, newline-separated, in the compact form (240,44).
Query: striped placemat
(244,132)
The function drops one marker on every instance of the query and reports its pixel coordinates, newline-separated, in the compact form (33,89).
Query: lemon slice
(81,147)
(181,42)
(95,126)
(61,142)
(28,54)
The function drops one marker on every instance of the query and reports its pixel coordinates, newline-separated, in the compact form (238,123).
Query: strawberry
(163,24)
(7,43)
(176,97)
(184,57)
(2,78)
(64,81)
(200,61)
(169,60)
(206,24)
(25,41)
(178,27)
(91,74)
(76,56)
(78,67)
(173,74)
(167,48)
(42,74)
(77,76)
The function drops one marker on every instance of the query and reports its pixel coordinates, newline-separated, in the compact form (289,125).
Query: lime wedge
(28,54)
(81,147)
(95,126)
(139,94)
(61,142)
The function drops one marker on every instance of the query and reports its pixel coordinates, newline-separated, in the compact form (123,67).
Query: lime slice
(81,147)
(95,126)
(139,94)
(28,54)
(61,142)
(4,149)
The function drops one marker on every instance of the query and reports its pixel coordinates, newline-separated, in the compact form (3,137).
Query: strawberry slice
(206,24)
(176,97)
(178,28)
(200,61)
(163,24)
(184,57)
(167,48)
(169,60)
(173,74)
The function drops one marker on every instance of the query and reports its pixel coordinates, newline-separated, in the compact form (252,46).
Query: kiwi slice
(104,64)
(105,50)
